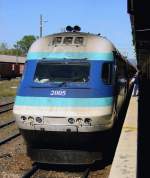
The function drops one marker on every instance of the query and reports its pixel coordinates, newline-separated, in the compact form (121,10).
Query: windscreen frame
(69,64)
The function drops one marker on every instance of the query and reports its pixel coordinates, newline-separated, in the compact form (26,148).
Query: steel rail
(30,172)
(86,173)
(7,123)
(6,107)
(3,141)
(6,104)
(35,167)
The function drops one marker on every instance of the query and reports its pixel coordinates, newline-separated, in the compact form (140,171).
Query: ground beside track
(13,159)
(14,162)
(8,89)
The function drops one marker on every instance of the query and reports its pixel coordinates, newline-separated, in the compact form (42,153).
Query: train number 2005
(57,92)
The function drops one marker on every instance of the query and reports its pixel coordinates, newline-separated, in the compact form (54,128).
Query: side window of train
(24,70)
(56,40)
(107,73)
(79,40)
(68,40)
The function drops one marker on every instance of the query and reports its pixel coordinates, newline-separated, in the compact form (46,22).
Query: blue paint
(94,88)
(108,56)
(70,92)
(63,102)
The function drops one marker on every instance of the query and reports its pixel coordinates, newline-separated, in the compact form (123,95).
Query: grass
(9,87)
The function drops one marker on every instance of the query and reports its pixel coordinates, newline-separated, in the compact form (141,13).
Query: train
(11,66)
(73,86)
(6,71)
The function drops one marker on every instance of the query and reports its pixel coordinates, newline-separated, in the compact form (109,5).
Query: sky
(107,17)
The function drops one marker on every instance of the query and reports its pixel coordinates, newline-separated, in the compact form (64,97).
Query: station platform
(125,159)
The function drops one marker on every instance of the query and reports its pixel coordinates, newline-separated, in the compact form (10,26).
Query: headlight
(87,121)
(23,118)
(38,119)
(79,120)
(30,118)
(71,120)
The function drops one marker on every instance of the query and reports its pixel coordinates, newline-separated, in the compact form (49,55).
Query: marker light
(23,118)
(71,120)
(87,121)
(79,120)
(30,118)
(38,119)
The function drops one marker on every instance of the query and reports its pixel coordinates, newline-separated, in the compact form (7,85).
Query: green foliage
(24,44)
(3,46)
(20,48)
(13,52)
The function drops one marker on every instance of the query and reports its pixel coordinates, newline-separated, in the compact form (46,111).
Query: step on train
(73,86)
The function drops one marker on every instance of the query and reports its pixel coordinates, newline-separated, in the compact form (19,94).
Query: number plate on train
(57,92)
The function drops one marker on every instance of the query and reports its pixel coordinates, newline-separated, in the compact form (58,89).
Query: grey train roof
(92,43)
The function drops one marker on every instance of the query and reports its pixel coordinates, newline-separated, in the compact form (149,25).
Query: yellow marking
(130,128)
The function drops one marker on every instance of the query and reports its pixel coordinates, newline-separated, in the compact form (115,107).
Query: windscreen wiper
(62,84)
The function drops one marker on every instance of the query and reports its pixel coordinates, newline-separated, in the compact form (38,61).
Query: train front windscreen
(56,72)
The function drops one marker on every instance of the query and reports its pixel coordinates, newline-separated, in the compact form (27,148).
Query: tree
(13,52)
(25,43)
(3,46)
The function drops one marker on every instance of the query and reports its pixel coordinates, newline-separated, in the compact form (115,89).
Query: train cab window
(107,73)
(58,72)
(57,40)
(78,40)
(68,40)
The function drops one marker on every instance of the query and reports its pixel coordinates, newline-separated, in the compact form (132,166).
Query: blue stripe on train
(107,56)
(69,92)
(63,102)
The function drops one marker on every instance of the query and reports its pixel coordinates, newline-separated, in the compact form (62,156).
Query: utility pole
(41,25)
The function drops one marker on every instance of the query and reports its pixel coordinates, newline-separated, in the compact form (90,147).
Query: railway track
(6,107)
(30,172)
(7,123)
(10,137)
(37,167)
